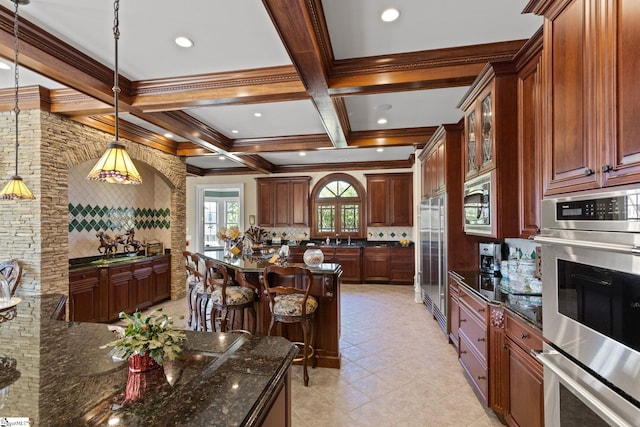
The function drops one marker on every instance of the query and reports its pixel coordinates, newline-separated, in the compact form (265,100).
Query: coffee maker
(490,258)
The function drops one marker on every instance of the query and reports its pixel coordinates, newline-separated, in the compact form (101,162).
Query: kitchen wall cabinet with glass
(283,202)
(491,142)
(389,199)
(591,119)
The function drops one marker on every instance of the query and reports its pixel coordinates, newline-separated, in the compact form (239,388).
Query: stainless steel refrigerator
(433,249)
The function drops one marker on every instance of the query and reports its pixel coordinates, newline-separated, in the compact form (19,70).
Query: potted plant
(144,341)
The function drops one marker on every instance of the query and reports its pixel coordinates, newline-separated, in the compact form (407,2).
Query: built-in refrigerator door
(426,267)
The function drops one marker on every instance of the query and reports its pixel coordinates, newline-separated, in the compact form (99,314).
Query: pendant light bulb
(16,189)
(115,166)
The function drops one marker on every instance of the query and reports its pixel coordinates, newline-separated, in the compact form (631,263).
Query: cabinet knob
(588,172)
(504,346)
(523,336)
(606,168)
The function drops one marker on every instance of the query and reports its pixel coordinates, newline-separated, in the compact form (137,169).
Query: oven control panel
(620,208)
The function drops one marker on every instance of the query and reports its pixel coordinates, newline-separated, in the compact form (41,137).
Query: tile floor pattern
(397,368)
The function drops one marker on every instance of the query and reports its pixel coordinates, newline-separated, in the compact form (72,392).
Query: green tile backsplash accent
(102,218)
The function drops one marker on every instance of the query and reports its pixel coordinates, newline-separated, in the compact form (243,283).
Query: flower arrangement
(256,234)
(231,233)
(405,242)
(153,334)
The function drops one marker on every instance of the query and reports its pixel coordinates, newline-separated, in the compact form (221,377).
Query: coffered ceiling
(320,73)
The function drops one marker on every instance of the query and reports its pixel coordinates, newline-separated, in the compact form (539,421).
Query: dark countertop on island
(526,306)
(65,378)
(256,264)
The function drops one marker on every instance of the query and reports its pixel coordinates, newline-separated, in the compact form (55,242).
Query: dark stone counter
(526,306)
(65,378)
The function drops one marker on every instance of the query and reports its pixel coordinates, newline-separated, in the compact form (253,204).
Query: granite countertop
(528,306)
(101,261)
(256,264)
(65,378)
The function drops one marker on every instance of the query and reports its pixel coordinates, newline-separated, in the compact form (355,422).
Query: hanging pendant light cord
(16,67)
(116,87)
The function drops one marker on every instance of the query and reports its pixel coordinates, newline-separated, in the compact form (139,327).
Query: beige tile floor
(397,368)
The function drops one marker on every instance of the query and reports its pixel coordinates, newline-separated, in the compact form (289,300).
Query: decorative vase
(140,384)
(226,252)
(313,257)
(142,363)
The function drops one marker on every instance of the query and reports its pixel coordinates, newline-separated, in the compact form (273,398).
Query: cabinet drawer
(82,275)
(120,269)
(474,331)
(474,304)
(522,334)
(475,369)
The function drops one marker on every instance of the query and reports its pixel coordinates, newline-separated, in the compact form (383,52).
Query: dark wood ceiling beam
(299,25)
(256,163)
(70,102)
(240,87)
(391,137)
(281,143)
(429,69)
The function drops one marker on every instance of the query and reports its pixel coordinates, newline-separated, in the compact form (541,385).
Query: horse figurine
(130,243)
(108,244)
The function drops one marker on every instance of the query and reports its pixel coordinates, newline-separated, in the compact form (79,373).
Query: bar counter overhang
(325,288)
(61,376)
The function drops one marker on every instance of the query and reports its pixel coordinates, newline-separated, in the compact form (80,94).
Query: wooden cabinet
(590,115)
(433,169)
(351,261)
(376,265)
(84,295)
(516,377)
(530,135)
(99,294)
(402,269)
(472,333)
(283,202)
(453,316)
(390,199)
(490,142)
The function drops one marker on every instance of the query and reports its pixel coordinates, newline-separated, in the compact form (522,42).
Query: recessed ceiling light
(168,135)
(380,150)
(257,114)
(183,41)
(382,121)
(302,153)
(4,66)
(390,15)
(222,158)
(383,107)
(234,130)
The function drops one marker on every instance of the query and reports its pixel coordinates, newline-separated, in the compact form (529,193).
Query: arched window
(337,207)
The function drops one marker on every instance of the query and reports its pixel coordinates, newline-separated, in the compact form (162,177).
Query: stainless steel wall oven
(591,309)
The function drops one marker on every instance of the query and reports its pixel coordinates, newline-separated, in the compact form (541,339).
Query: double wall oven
(591,309)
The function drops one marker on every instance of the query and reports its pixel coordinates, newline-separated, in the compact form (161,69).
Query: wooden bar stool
(290,302)
(224,296)
(12,271)
(194,283)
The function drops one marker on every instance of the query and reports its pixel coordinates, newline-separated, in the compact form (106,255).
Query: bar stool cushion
(236,295)
(291,305)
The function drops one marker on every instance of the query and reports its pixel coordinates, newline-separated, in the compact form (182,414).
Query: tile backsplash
(97,206)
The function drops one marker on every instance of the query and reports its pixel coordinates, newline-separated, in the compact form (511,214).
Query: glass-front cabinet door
(471,148)
(486,110)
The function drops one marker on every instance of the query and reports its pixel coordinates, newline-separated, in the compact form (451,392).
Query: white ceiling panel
(343,155)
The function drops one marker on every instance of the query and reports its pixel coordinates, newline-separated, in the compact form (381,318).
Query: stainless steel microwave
(478,205)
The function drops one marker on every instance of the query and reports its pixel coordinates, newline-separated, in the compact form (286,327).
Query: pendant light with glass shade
(115,166)
(16,188)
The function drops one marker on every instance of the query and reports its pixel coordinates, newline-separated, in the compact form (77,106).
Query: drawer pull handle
(480,339)
(463,351)
(481,310)
(482,377)
(523,336)
(462,320)
(84,275)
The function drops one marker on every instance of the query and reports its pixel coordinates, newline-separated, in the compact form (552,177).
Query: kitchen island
(325,288)
(57,374)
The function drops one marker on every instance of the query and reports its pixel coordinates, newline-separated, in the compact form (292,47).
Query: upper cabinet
(433,167)
(490,123)
(390,199)
(591,91)
(283,202)
(490,145)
